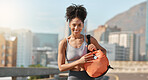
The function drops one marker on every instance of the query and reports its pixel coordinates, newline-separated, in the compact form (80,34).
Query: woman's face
(76,26)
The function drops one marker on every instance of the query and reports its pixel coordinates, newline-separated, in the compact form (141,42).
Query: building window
(2,61)
(3,46)
(3,54)
(7,55)
(7,62)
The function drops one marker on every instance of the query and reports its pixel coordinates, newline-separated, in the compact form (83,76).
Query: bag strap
(88,38)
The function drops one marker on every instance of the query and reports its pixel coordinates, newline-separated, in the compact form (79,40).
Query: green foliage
(34,77)
(38,65)
(22,66)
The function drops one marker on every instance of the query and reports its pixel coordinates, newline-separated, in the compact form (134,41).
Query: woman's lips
(76,31)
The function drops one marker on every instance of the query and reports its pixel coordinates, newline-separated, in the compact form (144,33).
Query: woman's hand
(86,58)
(91,47)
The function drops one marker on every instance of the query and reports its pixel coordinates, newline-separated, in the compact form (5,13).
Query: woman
(74,48)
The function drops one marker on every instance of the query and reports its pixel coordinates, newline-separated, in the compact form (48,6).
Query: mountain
(133,19)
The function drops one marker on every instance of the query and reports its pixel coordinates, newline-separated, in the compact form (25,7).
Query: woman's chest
(76,43)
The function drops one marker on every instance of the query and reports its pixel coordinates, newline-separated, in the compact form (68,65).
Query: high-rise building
(8,51)
(146,57)
(102,32)
(43,55)
(137,54)
(127,40)
(91,32)
(45,40)
(67,29)
(40,56)
(48,43)
(24,47)
(116,52)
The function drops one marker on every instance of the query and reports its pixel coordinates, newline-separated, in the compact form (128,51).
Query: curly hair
(74,11)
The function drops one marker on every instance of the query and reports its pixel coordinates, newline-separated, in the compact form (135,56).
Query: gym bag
(99,65)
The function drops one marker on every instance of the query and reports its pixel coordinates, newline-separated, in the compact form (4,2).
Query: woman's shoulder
(63,42)
(62,46)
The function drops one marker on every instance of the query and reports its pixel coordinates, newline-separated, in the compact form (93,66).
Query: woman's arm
(96,45)
(61,58)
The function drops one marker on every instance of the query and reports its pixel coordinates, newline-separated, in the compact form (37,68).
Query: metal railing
(25,72)
(119,67)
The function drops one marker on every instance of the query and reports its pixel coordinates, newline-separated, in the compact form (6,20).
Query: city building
(45,40)
(8,51)
(67,29)
(43,55)
(24,47)
(102,32)
(129,40)
(146,57)
(91,32)
(116,52)
(137,54)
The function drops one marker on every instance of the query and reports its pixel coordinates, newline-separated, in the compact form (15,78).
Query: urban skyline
(43,19)
(41,40)
(146,50)
(27,22)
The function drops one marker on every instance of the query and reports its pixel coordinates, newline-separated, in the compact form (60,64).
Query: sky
(48,16)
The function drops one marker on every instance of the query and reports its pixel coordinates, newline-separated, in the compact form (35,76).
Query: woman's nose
(76,27)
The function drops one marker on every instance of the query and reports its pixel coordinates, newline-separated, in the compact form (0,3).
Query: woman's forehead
(76,21)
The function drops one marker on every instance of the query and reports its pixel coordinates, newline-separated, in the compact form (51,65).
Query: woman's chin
(76,33)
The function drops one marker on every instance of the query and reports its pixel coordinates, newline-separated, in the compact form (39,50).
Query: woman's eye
(74,25)
(79,25)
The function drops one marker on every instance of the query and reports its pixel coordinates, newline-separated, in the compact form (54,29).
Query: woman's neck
(76,36)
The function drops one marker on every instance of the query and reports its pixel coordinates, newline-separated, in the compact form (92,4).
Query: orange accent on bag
(99,66)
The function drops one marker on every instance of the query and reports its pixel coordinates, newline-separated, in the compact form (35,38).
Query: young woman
(74,48)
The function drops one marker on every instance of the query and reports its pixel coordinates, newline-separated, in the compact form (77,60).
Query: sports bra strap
(84,38)
(67,40)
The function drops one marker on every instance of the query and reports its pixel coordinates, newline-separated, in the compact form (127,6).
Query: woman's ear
(68,23)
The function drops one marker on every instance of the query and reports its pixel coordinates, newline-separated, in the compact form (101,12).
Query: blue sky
(48,16)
